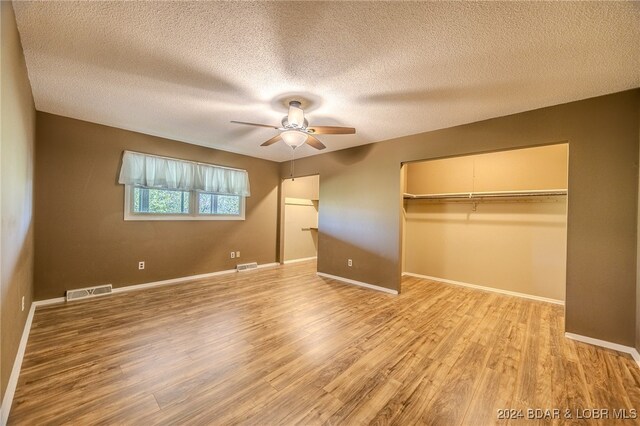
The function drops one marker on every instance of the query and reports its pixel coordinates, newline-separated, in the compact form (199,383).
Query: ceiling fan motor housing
(286,125)
(295,119)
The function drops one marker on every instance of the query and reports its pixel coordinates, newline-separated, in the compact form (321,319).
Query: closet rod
(494,194)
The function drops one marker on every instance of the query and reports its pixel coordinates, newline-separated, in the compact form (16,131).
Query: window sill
(141,218)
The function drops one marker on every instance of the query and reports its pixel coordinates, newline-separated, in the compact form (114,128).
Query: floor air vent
(246,266)
(83,293)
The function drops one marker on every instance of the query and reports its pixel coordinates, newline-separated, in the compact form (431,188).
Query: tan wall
(81,238)
(360,217)
(510,246)
(17,156)
(542,167)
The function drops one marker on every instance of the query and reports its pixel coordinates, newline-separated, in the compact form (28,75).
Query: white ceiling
(184,70)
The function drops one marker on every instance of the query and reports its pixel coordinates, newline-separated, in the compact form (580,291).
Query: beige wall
(17,156)
(510,246)
(361,216)
(81,238)
(300,242)
(536,168)
(306,187)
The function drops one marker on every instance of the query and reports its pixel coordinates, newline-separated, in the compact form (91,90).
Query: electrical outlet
(23,303)
(349,262)
(237,254)
(233,254)
(140,265)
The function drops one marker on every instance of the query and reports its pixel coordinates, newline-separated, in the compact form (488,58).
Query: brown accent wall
(82,239)
(17,155)
(638,261)
(360,189)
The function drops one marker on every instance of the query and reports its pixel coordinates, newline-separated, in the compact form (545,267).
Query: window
(160,201)
(162,188)
(219,204)
(169,204)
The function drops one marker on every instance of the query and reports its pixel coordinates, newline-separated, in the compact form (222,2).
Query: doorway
(301,202)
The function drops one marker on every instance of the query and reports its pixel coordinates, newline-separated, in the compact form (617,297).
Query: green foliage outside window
(219,204)
(160,201)
(165,201)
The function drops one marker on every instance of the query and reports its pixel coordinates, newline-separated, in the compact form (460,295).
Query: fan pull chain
(293,157)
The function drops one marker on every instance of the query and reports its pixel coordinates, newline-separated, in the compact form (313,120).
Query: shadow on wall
(351,156)
(335,262)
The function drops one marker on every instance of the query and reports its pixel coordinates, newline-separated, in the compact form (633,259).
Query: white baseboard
(636,356)
(171,281)
(609,345)
(49,301)
(304,259)
(17,365)
(268,265)
(484,288)
(158,283)
(358,283)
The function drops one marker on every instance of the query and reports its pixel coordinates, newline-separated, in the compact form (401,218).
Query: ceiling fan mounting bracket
(306,101)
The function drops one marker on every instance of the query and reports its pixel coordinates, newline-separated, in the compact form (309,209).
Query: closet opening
(495,221)
(300,203)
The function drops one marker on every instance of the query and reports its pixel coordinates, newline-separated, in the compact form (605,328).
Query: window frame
(193,214)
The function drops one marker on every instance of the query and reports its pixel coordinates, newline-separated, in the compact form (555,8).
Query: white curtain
(168,173)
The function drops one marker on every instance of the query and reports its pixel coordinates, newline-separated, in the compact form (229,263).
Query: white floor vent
(246,266)
(83,293)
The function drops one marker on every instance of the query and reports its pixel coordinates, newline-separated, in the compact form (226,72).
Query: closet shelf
(487,194)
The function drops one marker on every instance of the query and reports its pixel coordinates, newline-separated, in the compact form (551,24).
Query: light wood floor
(283,346)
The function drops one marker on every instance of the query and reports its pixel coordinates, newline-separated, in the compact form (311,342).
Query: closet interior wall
(301,203)
(513,243)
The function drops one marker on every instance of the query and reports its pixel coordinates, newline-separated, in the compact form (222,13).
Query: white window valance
(154,171)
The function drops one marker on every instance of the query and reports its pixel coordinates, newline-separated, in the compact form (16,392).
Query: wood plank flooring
(283,346)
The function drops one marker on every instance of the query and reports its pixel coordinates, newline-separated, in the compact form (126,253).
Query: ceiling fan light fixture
(294,138)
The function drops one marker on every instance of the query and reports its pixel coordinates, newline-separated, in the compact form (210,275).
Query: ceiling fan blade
(255,124)
(271,141)
(331,130)
(314,142)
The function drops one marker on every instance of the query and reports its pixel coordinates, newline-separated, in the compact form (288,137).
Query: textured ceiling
(184,70)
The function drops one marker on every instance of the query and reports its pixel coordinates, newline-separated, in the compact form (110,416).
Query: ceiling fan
(295,129)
